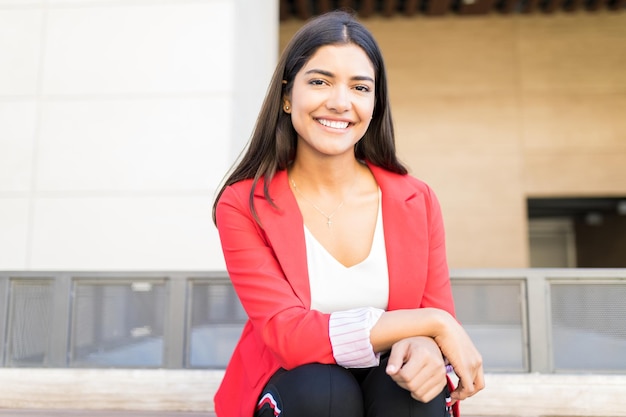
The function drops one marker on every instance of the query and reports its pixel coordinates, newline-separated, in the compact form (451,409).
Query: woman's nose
(339,99)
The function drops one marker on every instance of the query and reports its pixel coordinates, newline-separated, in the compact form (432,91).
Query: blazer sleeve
(294,333)
(438,290)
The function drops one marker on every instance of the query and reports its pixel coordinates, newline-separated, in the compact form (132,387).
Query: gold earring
(286,108)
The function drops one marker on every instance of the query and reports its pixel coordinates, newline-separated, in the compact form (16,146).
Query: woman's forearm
(396,325)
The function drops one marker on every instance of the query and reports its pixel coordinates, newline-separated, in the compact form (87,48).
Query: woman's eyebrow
(331,75)
(321,72)
(362,78)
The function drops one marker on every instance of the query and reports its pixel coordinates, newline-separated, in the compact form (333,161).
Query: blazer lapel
(283,225)
(406,238)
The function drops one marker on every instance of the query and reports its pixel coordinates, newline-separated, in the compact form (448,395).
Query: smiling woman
(331,105)
(332,101)
(337,255)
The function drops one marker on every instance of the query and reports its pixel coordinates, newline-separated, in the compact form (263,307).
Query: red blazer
(268,269)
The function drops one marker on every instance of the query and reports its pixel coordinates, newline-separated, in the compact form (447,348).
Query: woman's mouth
(333,123)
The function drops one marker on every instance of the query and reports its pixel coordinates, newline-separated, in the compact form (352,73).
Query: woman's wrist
(439,320)
(396,325)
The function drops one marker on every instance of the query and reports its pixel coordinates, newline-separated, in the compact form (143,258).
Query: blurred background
(119,119)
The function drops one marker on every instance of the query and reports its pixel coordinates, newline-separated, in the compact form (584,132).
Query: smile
(333,124)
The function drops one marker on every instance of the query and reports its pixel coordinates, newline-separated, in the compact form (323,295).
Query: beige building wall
(492,110)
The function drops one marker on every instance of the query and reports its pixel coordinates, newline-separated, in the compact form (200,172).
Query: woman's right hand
(416,365)
(458,349)
(454,343)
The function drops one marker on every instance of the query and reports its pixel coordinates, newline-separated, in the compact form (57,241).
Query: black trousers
(317,390)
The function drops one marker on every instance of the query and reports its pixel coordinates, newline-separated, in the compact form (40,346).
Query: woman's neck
(326,176)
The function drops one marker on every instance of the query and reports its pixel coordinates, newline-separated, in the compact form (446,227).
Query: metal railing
(522,320)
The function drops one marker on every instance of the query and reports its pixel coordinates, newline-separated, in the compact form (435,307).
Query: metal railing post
(176,323)
(538,320)
(58,349)
(4,312)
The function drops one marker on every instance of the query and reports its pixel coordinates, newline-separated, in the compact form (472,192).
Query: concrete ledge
(109,389)
(534,395)
(506,395)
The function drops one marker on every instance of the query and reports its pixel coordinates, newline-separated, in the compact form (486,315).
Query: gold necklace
(329,217)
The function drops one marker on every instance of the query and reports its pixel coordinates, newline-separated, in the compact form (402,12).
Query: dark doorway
(577,232)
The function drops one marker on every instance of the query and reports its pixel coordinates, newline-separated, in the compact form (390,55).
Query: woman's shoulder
(243,189)
(238,191)
(242,186)
(418,184)
(400,181)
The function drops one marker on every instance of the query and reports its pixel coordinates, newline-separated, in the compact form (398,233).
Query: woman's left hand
(416,364)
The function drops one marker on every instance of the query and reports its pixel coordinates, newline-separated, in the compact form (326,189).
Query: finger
(424,379)
(429,389)
(413,365)
(479,382)
(462,391)
(467,375)
(469,383)
(426,396)
(406,376)
(396,360)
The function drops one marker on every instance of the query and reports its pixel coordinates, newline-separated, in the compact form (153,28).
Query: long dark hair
(273,143)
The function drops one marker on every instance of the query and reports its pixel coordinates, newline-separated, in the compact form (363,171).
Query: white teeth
(333,124)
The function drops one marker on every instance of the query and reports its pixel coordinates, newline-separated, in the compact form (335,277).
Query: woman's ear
(286,105)
(286,101)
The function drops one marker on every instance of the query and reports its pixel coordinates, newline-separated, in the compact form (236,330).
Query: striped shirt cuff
(350,337)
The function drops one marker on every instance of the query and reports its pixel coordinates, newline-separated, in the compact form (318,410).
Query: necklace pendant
(329,223)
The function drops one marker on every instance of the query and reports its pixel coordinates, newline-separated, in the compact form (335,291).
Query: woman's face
(332,100)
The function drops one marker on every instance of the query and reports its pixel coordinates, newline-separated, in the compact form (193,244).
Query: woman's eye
(316,82)
(362,88)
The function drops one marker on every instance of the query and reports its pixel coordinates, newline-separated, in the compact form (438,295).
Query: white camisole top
(335,287)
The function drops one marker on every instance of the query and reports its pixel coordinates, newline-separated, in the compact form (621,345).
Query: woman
(336,254)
